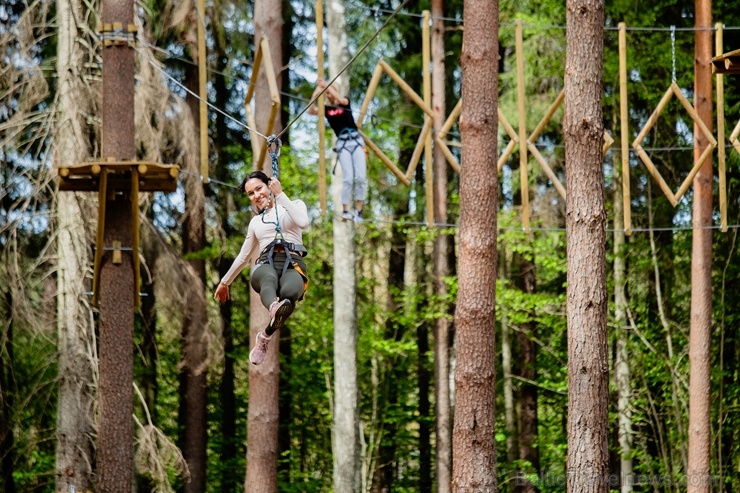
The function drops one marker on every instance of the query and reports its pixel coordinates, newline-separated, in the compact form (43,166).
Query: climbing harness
(347,140)
(268,253)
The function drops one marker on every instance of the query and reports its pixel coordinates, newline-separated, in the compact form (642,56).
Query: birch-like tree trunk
(345,438)
(621,363)
(441,254)
(588,364)
(263,415)
(700,331)
(75,329)
(473,439)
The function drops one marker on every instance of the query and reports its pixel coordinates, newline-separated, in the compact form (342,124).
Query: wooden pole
(115,440)
(524,186)
(721,132)
(426,62)
(202,90)
(320,103)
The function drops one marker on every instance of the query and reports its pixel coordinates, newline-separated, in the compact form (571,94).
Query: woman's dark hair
(254,174)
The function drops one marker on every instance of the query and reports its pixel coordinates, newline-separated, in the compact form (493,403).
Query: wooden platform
(727,63)
(153,177)
(105,177)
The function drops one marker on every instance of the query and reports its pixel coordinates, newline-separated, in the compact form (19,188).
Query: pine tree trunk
(700,331)
(588,364)
(346,419)
(74,452)
(441,252)
(194,394)
(473,441)
(264,380)
(231,477)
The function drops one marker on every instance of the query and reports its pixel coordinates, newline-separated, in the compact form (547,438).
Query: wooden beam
(523,175)
(203,98)
(426,71)
(624,129)
(721,134)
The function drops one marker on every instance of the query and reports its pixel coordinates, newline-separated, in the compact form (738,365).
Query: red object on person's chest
(335,111)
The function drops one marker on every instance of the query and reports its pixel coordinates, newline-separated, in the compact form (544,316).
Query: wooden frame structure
(380,68)
(109,177)
(673,89)
(727,63)
(262,57)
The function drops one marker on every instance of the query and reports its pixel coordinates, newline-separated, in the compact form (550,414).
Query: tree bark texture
(195,321)
(115,424)
(473,442)
(442,247)
(700,330)
(74,448)
(346,419)
(264,380)
(588,365)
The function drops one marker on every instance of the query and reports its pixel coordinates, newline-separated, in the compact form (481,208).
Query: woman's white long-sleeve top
(293,218)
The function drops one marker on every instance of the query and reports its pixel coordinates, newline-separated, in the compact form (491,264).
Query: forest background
(396,305)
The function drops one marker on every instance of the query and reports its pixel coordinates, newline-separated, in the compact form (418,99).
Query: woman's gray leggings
(267,282)
(351,155)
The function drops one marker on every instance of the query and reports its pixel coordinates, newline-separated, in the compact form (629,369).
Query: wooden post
(624,128)
(721,133)
(320,103)
(426,61)
(524,186)
(202,90)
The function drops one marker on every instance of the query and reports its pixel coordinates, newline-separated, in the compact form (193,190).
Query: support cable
(155,64)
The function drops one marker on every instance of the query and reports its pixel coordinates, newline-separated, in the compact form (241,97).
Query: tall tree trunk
(441,252)
(473,442)
(700,331)
(523,272)
(588,364)
(621,363)
(231,477)
(74,452)
(262,421)
(346,419)
(193,394)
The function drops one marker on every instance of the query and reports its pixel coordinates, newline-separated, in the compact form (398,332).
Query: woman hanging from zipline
(350,149)
(279,275)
